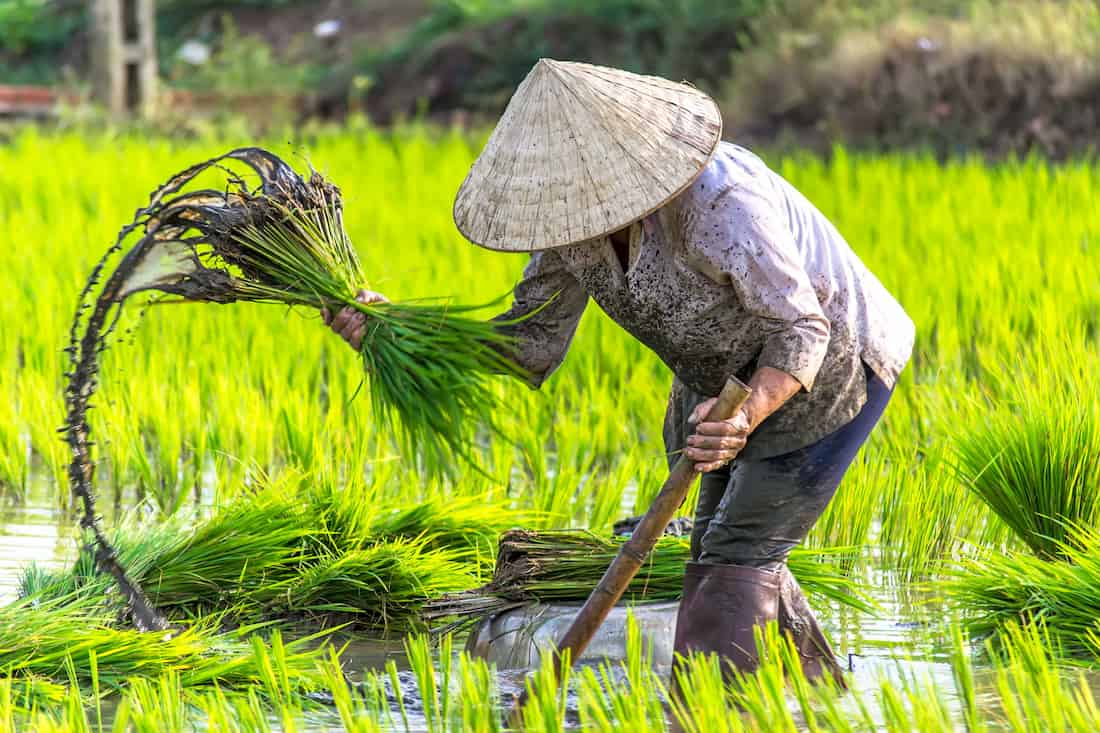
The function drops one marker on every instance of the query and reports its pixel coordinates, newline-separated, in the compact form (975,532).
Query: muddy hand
(714,444)
(349,323)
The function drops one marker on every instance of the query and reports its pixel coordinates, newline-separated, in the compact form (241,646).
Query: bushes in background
(1000,77)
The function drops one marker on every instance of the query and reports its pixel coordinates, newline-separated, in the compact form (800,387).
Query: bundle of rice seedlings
(998,592)
(271,556)
(563,566)
(469,526)
(1037,466)
(69,638)
(283,241)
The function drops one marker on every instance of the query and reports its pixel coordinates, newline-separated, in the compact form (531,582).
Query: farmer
(621,188)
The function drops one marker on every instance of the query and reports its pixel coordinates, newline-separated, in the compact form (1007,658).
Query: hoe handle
(632,555)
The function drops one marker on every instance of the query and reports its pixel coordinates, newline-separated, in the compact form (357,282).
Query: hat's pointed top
(582,151)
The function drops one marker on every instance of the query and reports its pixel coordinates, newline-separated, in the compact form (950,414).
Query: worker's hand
(350,323)
(714,444)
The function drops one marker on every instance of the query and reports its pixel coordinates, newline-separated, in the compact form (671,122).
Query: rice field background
(216,425)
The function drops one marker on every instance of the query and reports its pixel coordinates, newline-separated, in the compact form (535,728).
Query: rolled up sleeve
(547,306)
(741,236)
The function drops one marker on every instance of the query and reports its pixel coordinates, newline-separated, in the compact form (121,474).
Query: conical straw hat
(582,151)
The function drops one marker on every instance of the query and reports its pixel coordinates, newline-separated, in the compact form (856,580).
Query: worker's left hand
(714,444)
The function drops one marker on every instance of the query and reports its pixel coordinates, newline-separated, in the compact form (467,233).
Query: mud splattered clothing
(754,512)
(738,272)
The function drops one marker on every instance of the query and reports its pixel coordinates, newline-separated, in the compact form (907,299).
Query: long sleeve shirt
(738,272)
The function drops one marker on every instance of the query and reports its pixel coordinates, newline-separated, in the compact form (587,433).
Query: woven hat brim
(582,151)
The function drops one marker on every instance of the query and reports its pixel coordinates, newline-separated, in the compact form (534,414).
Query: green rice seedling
(157,705)
(927,516)
(435,692)
(909,703)
(253,714)
(353,705)
(59,638)
(962,671)
(1032,690)
(605,704)
(381,587)
(284,243)
(547,691)
(478,704)
(216,711)
(278,684)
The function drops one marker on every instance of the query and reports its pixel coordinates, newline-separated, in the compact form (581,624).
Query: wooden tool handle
(632,555)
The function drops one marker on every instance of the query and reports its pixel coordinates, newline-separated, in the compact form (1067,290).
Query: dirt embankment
(474,70)
(1023,77)
(949,86)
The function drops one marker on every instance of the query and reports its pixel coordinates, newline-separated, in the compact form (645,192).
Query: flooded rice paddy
(206,403)
(905,639)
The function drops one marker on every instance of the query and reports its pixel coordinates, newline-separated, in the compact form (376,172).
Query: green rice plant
(157,704)
(466,525)
(352,703)
(927,514)
(238,713)
(381,587)
(608,704)
(435,692)
(962,671)
(547,690)
(1031,688)
(1037,466)
(478,704)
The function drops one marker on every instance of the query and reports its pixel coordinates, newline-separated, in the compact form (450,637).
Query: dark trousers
(755,512)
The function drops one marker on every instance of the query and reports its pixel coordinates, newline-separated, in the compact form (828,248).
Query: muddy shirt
(738,272)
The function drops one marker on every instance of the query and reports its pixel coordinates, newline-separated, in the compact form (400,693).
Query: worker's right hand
(349,323)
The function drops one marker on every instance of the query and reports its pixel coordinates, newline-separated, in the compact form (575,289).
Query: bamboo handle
(632,555)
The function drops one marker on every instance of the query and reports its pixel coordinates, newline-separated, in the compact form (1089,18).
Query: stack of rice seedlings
(999,591)
(563,566)
(468,525)
(280,555)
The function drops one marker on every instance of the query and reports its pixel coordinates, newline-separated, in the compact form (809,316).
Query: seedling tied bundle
(283,241)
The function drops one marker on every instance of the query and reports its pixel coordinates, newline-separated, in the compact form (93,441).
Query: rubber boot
(721,606)
(797,619)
